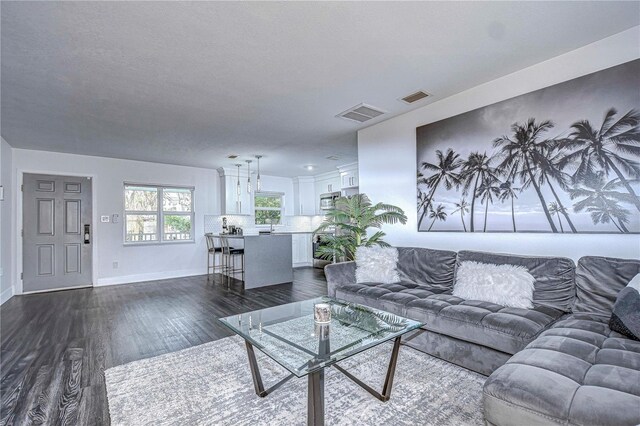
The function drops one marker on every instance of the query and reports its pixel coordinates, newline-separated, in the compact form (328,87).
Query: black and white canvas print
(563,159)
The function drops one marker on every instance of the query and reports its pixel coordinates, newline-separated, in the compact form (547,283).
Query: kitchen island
(267,258)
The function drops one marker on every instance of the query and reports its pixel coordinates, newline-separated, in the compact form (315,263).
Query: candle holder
(322,313)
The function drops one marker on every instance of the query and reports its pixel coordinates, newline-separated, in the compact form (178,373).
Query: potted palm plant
(350,219)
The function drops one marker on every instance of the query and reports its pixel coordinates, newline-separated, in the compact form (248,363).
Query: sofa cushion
(599,280)
(428,268)
(504,329)
(577,372)
(554,276)
(389,297)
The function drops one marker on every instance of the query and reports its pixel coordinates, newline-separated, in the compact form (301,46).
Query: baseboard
(154,276)
(302,264)
(6,295)
(49,290)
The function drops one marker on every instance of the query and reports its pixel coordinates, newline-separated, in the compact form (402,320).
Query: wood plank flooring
(54,347)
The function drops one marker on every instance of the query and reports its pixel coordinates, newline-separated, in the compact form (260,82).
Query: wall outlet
(104,219)
(114,218)
(115,265)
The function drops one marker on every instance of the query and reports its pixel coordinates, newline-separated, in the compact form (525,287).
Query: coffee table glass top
(289,334)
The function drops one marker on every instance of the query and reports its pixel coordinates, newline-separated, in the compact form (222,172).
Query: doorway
(57,232)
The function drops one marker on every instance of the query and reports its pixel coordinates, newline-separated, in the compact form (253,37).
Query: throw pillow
(625,318)
(507,285)
(635,283)
(377,264)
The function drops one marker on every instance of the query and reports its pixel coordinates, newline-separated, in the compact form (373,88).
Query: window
(157,214)
(268,208)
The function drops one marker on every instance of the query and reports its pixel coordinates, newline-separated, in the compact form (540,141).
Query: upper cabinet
(304,196)
(328,182)
(232,200)
(349,176)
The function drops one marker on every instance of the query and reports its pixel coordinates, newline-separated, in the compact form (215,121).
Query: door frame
(20,219)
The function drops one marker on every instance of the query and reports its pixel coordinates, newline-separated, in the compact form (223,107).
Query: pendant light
(238,190)
(249,175)
(258,181)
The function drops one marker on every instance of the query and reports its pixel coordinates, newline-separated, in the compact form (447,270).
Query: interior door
(57,232)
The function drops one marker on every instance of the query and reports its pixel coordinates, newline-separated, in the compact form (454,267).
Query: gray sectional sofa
(558,363)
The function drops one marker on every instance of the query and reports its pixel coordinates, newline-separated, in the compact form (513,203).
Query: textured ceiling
(191,82)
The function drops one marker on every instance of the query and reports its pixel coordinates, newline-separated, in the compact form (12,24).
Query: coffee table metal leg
(315,399)
(257,378)
(255,371)
(388,383)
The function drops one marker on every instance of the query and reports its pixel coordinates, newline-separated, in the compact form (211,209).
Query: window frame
(160,213)
(273,194)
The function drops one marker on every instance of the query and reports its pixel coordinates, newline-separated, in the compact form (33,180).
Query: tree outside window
(269,208)
(149,221)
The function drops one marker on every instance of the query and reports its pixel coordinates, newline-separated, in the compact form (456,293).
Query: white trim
(49,290)
(18,208)
(6,295)
(153,276)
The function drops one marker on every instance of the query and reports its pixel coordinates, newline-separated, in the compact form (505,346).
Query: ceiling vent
(232,156)
(333,158)
(360,113)
(415,97)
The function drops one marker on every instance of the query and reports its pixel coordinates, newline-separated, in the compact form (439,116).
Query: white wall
(136,263)
(6,263)
(387,157)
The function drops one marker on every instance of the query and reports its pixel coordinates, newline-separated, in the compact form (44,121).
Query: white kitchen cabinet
(304,196)
(328,182)
(349,175)
(302,249)
(349,180)
(229,193)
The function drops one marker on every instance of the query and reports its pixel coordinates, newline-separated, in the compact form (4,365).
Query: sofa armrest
(338,275)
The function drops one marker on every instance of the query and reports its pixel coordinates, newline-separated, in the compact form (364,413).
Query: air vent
(333,158)
(415,97)
(360,113)
(232,156)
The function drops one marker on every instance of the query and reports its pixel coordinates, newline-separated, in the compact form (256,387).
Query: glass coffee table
(289,335)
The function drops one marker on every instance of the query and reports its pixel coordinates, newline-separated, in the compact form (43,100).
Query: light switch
(104,219)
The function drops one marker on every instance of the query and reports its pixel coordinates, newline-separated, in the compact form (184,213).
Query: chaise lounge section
(557,363)
(577,372)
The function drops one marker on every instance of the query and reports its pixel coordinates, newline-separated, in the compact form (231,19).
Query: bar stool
(229,255)
(212,250)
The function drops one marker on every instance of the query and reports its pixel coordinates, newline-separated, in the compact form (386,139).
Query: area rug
(211,384)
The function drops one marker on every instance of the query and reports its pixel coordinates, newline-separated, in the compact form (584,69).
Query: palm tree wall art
(562,159)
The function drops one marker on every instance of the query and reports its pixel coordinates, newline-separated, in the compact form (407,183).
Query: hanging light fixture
(258,181)
(249,175)
(238,190)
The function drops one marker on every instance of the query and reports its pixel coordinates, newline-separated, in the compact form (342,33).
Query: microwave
(328,200)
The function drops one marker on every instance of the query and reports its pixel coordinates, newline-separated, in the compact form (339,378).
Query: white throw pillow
(635,283)
(377,264)
(506,285)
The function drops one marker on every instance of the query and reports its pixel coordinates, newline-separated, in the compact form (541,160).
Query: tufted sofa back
(427,267)
(599,280)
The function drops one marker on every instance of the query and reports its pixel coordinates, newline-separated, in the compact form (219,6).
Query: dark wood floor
(56,346)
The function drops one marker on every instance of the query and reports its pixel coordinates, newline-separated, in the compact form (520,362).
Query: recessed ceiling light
(309,167)
(333,158)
